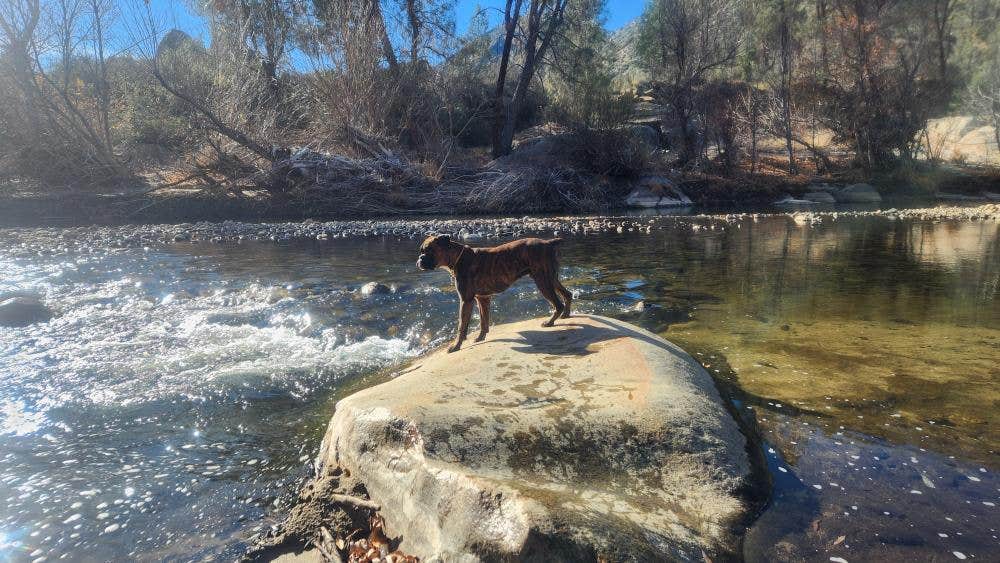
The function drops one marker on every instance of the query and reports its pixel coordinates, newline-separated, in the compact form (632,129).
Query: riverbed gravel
(51,240)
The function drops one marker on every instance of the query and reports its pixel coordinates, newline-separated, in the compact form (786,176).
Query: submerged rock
(375,288)
(23,311)
(592,439)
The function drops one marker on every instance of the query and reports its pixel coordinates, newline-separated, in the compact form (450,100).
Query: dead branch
(233,134)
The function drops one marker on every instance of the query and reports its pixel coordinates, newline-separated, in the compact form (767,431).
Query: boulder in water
(592,439)
(375,288)
(23,311)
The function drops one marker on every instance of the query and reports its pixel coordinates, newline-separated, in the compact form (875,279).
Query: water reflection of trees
(867,268)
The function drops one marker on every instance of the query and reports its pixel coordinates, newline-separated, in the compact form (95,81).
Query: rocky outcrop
(590,440)
(22,311)
(656,191)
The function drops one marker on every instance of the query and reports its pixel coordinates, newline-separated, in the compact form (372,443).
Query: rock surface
(23,311)
(592,439)
(857,193)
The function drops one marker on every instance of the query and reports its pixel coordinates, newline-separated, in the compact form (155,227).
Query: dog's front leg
(464,316)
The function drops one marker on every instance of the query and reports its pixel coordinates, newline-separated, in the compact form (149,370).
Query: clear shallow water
(175,403)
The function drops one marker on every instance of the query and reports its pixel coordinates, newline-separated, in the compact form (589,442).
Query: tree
(785,16)
(881,90)
(776,26)
(366,14)
(18,21)
(682,42)
(942,12)
(65,100)
(542,23)
(984,96)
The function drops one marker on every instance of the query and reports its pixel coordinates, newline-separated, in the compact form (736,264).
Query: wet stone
(23,311)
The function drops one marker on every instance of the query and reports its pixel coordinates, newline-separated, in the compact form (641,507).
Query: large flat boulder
(592,439)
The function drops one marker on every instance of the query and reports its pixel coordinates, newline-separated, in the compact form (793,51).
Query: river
(174,405)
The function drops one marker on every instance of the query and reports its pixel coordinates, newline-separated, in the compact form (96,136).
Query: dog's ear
(445,238)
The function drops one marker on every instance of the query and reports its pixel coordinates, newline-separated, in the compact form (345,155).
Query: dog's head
(433,252)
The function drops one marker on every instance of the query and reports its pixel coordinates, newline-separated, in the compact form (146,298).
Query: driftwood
(327,546)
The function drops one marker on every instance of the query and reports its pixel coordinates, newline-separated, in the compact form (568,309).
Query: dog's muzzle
(425,262)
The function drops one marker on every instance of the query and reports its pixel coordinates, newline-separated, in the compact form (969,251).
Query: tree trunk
(683,115)
(753,131)
(534,53)
(786,78)
(996,118)
(103,87)
(524,79)
(824,57)
(512,12)
(387,49)
(413,15)
(942,17)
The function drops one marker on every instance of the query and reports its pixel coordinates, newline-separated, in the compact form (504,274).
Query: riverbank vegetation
(373,107)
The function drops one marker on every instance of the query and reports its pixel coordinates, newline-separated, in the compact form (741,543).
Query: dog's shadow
(570,338)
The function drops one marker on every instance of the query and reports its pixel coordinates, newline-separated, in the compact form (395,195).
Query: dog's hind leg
(464,316)
(484,316)
(566,295)
(548,290)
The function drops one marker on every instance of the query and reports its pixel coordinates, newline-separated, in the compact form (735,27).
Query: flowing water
(174,404)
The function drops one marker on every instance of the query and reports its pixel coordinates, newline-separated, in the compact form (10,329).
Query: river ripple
(174,404)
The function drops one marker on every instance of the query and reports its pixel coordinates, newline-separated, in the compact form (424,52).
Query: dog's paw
(480,338)
(454,348)
(547,324)
(565,315)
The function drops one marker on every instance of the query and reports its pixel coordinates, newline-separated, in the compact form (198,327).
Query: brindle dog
(481,273)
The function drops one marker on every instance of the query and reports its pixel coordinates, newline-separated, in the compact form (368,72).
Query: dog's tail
(555,241)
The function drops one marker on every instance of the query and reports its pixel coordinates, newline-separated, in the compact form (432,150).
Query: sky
(617,13)
(178,14)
